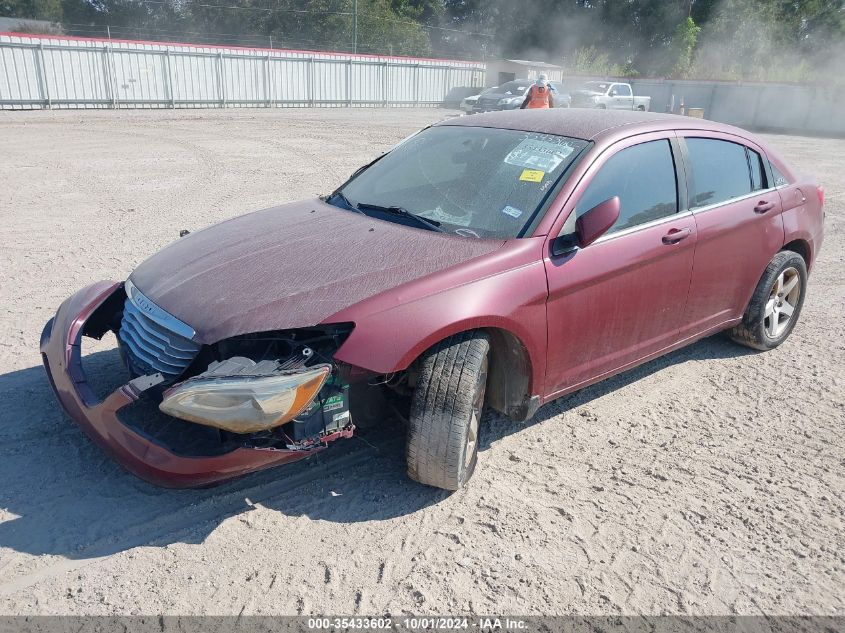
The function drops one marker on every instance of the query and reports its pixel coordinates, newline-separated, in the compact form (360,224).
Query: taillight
(820,191)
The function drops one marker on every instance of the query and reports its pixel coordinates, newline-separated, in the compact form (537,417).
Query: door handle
(763,206)
(676,235)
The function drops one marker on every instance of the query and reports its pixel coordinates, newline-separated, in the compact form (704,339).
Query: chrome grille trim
(156,314)
(153,340)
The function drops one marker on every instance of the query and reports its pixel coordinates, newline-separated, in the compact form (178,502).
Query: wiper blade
(432,225)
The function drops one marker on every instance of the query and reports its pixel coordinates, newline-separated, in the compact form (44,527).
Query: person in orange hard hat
(539,95)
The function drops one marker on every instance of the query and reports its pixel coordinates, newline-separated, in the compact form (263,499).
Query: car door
(740,226)
(620,299)
(623,98)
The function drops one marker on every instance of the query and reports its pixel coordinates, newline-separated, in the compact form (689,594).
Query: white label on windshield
(536,154)
(512,211)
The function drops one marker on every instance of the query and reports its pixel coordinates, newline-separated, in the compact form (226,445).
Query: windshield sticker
(533,153)
(532,175)
(512,211)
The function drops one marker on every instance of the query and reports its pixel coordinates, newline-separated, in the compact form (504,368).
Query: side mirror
(613,93)
(596,222)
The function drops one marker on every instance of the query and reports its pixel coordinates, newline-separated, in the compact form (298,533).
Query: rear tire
(442,448)
(775,305)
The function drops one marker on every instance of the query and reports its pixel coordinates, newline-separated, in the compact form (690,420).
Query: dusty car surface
(500,260)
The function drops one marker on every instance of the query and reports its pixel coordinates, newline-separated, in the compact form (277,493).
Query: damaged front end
(194,414)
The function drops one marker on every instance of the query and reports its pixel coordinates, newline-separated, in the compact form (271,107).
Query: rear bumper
(60,351)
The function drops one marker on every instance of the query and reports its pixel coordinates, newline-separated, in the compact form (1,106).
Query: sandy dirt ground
(711,481)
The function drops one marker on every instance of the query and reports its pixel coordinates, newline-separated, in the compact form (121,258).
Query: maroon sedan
(501,260)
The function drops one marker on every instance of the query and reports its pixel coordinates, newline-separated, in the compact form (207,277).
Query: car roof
(589,124)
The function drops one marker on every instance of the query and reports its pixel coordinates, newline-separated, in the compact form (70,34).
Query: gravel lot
(710,481)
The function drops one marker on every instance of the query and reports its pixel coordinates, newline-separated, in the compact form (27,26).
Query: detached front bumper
(61,353)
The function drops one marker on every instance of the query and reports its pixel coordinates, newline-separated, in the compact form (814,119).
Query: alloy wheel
(783,299)
(475,417)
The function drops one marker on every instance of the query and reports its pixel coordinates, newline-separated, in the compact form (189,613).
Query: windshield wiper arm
(349,204)
(432,225)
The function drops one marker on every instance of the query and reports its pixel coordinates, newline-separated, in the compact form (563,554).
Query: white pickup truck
(608,95)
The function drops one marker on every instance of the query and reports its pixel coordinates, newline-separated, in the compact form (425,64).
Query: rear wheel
(775,305)
(446,407)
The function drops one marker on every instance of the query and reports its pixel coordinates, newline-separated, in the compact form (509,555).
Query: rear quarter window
(719,171)
(778,178)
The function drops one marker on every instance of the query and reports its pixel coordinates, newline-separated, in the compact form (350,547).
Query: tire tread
(441,407)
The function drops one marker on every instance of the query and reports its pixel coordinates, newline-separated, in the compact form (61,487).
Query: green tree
(382,29)
(32,9)
(775,40)
(686,37)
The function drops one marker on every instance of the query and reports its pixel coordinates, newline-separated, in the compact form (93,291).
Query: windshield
(473,181)
(596,86)
(513,88)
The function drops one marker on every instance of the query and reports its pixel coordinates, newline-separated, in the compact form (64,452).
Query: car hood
(291,266)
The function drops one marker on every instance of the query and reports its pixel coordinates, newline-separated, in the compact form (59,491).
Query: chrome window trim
(722,203)
(639,227)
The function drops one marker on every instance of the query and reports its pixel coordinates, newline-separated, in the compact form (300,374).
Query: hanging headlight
(245,404)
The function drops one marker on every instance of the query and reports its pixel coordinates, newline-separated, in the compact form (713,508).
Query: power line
(324,12)
(262,9)
(427,26)
(200,38)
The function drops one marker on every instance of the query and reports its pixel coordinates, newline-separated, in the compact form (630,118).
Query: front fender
(393,329)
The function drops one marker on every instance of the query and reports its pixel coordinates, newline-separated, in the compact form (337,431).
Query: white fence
(64,72)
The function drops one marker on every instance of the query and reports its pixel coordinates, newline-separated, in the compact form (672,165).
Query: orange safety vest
(538,97)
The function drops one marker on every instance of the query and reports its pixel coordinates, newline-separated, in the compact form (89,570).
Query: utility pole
(354,26)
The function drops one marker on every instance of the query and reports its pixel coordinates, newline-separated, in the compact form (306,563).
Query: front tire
(775,305)
(446,406)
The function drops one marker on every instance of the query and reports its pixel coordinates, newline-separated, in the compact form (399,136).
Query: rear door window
(758,172)
(719,171)
(643,176)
